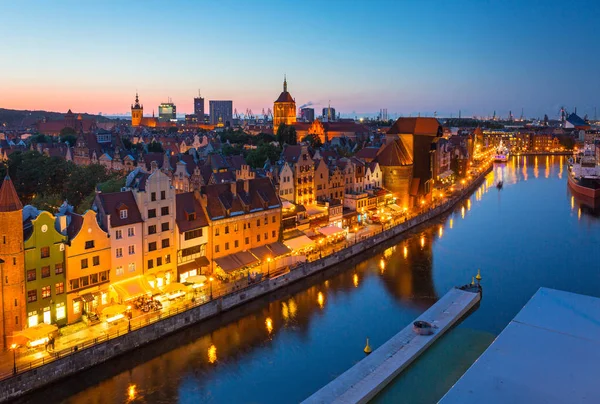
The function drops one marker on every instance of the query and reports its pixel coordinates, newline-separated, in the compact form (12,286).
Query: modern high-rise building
(329,114)
(199,107)
(167,111)
(221,112)
(307,114)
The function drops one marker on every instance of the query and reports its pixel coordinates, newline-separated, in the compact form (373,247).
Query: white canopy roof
(330,230)
(299,243)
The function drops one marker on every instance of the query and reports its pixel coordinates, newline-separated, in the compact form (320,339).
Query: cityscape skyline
(476,59)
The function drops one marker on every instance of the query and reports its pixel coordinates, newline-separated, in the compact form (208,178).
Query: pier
(363,381)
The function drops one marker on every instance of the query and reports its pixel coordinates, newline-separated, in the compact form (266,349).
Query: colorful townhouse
(192,236)
(243,216)
(44,269)
(88,257)
(12,262)
(119,216)
(155,199)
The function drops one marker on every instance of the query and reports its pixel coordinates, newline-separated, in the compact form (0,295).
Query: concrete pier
(363,381)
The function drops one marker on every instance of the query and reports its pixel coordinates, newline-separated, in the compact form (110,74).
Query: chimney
(247,186)
(233,186)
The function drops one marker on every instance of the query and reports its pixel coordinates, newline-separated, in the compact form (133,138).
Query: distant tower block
(137,112)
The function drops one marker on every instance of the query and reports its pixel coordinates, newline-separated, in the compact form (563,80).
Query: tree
(113,184)
(82,182)
(68,135)
(313,140)
(50,202)
(263,138)
(40,138)
(256,158)
(155,147)
(286,134)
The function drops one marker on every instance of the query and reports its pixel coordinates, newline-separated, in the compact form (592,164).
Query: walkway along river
(284,347)
(88,353)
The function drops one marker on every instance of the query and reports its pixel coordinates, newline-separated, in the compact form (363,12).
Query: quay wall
(27,381)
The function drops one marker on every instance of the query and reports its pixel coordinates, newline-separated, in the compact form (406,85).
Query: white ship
(501,153)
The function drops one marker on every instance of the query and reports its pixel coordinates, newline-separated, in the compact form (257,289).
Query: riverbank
(152,328)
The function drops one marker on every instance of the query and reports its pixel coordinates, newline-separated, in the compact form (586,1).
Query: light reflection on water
(283,348)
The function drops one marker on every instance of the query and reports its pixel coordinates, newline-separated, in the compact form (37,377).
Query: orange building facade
(284,109)
(12,263)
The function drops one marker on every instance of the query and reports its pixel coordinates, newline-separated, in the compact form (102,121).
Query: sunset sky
(408,57)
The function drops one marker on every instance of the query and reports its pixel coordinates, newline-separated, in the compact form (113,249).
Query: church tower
(284,109)
(12,264)
(137,112)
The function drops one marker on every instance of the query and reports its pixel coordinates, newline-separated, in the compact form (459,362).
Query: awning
(394,207)
(132,288)
(113,310)
(173,287)
(446,174)
(196,279)
(262,252)
(38,332)
(316,210)
(279,249)
(330,230)
(228,263)
(190,266)
(246,258)
(299,243)
(202,261)
(87,297)
(286,204)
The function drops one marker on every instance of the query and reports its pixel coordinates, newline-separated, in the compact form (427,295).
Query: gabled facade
(192,236)
(119,216)
(45,271)
(88,267)
(321,180)
(286,182)
(155,198)
(303,166)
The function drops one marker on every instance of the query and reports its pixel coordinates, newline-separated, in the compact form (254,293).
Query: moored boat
(502,153)
(584,174)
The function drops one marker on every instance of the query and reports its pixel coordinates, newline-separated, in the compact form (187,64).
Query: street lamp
(211,279)
(14,349)
(355,233)
(268,267)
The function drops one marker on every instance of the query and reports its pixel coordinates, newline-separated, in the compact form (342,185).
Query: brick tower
(137,112)
(12,263)
(284,109)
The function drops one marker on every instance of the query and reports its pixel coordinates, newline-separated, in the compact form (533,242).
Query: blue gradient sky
(408,57)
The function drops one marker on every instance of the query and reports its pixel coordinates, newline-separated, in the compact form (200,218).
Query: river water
(281,349)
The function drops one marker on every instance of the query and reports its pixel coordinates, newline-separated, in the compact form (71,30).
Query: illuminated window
(119,271)
(59,288)
(31,296)
(46,292)
(60,311)
(45,252)
(32,319)
(132,267)
(77,307)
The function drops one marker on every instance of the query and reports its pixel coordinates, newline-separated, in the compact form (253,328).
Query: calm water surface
(532,233)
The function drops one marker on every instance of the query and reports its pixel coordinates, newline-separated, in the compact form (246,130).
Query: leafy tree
(173,129)
(313,140)
(568,142)
(113,184)
(256,158)
(127,143)
(49,202)
(82,182)
(263,138)
(68,135)
(229,150)
(40,138)
(286,134)
(155,147)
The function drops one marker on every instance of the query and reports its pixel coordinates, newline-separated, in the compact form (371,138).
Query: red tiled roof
(113,202)
(9,200)
(368,153)
(416,126)
(186,203)
(285,97)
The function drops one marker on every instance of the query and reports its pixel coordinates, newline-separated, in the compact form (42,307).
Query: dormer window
(123,213)
(190,216)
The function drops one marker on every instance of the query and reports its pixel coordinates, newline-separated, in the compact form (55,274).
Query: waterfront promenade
(363,381)
(223,298)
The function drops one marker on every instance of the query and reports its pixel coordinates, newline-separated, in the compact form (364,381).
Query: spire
(284,84)
(9,201)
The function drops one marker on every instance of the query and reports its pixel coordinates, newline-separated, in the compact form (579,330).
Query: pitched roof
(113,202)
(368,153)
(285,97)
(186,204)
(394,154)
(9,200)
(261,193)
(416,126)
(575,120)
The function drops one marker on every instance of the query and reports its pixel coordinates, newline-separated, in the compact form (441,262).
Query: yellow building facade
(88,265)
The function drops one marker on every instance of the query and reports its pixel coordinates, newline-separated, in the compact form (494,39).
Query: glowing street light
(268,267)
(13,347)
(211,279)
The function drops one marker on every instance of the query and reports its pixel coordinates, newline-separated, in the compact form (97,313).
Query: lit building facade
(155,198)
(88,264)
(137,112)
(12,262)
(167,112)
(284,109)
(303,167)
(45,271)
(192,236)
